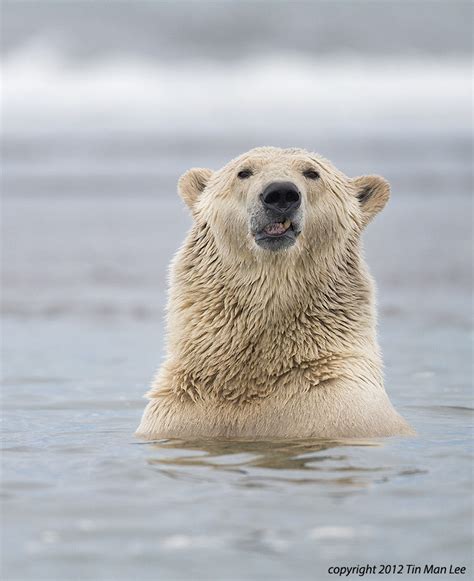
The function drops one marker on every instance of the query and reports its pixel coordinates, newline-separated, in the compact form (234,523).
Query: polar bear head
(281,201)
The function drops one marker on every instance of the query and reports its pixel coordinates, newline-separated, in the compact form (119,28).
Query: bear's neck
(330,300)
(231,321)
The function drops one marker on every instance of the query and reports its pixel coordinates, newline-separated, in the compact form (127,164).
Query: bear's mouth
(277,235)
(276,230)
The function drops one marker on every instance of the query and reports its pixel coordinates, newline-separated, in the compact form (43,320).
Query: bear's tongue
(277,228)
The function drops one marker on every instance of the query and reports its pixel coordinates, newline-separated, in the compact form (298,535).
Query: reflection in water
(296,461)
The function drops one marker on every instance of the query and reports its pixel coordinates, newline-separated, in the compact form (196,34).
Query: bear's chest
(256,338)
(243,357)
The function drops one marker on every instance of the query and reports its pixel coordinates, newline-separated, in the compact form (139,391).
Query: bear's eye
(311,174)
(244,174)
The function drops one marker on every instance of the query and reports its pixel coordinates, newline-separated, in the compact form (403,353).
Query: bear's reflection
(237,455)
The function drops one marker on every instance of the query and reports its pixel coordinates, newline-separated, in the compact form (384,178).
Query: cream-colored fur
(265,344)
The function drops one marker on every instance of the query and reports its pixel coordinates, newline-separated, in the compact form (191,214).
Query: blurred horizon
(114,101)
(134,93)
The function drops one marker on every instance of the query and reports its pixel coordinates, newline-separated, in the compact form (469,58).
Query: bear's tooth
(287,224)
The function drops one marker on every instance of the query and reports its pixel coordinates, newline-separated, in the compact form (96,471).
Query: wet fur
(270,345)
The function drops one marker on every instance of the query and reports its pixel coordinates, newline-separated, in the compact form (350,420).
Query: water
(84,291)
(90,222)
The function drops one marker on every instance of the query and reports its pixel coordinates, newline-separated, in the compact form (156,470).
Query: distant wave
(42,92)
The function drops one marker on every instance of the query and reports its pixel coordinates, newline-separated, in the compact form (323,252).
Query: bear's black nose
(282,197)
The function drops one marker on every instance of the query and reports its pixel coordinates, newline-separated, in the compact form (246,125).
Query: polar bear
(271,317)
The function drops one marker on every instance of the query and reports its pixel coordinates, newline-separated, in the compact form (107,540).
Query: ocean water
(91,156)
(84,292)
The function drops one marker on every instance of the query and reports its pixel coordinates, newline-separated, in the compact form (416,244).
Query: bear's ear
(192,183)
(373,193)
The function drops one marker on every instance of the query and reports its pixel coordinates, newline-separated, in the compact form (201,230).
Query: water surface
(84,293)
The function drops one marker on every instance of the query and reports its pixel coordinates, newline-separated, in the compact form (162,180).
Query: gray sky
(229,30)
